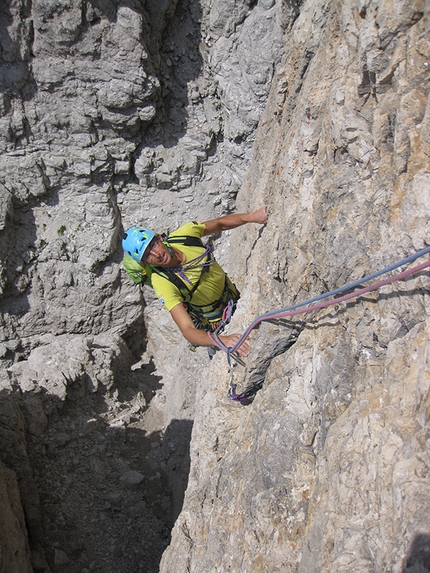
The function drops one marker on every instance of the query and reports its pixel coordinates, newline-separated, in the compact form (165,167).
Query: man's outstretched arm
(235,220)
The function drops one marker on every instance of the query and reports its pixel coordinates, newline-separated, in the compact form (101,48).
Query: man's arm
(200,337)
(234,220)
(179,314)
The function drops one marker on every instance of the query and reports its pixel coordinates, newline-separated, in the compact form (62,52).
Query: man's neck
(177,257)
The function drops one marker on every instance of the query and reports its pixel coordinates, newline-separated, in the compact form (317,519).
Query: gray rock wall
(111,115)
(327,470)
(19,501)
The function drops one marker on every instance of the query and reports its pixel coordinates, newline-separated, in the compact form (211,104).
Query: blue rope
(247,396)
(344,288)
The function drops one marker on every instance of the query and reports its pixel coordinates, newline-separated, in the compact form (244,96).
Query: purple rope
(291,310)
(193,264)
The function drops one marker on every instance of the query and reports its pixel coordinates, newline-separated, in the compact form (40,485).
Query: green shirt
(212,282)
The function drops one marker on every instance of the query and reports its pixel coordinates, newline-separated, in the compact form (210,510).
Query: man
(185,276)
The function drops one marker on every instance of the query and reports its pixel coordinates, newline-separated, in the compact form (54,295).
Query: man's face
(157,253)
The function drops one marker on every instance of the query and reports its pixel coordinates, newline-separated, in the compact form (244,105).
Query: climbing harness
(212,317)
(216,321)
(215,316)
(295,309)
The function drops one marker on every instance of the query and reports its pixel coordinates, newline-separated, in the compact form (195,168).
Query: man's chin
(164,262)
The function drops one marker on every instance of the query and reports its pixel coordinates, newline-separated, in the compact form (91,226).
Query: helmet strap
(168,247)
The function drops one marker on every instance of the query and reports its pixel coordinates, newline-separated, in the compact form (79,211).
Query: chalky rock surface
(328,469)
(119,448)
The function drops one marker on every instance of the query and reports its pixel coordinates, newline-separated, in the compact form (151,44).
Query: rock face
(328,469)
(111,430)
(110,115)
(19,500)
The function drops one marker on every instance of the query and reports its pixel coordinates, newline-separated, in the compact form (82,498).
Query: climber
(185,276)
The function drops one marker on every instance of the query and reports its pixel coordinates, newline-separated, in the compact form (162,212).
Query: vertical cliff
(112,432)
(328,468)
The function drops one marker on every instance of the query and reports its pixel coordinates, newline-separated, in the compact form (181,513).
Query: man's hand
(231,339)
(200,337)
(259,216)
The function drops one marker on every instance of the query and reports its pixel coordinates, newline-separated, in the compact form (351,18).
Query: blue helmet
(136,241)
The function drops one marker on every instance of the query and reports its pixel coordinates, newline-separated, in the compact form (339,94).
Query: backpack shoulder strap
(186,240)
(175,280)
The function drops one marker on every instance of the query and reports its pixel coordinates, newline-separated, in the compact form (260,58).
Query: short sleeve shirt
(212,283)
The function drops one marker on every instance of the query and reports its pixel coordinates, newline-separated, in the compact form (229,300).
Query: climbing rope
(295,309)
(195,263)
(226,316)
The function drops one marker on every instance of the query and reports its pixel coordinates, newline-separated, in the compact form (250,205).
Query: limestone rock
(326,470)
(15,552)
(162,112)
